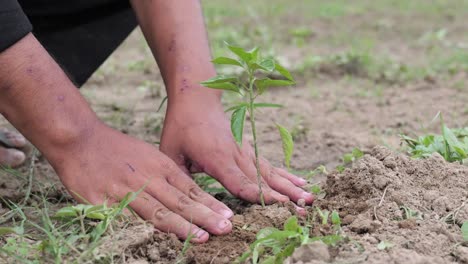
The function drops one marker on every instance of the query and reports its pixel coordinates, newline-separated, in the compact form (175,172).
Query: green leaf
(283,71)
(464,230)
(219,79)
(237,123)
(291,224)
(288,144)
(335,218)
(266,232)
(236,107)
(223,86)
(66,212)
(244,55)
(315,189)
(226,61)
(19,230)
(263,105)
(262,84)
(266,65)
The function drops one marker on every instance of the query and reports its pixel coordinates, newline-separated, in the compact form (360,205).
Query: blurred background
(366,71)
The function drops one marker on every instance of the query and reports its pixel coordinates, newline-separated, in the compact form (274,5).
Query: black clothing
(79,34)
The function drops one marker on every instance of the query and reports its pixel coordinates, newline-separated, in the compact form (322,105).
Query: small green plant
(335,219)
(410,213)
(452,144)
(464,230)
(74,232)
(349,158)
(257,69)
(315,189)
(323,214)
(274,245)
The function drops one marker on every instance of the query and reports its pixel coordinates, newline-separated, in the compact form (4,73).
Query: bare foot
(9,154)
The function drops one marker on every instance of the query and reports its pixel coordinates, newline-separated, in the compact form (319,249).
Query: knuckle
(161,213)
(168,166)
(195,192)
(184,202)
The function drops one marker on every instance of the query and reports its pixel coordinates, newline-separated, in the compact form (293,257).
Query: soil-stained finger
(165,220)
(186,185)
(192,211)
(235,180)
(286,187)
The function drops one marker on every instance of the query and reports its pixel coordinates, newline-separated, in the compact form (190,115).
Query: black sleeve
(14,24)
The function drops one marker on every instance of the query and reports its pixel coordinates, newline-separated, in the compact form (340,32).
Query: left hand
(198,138)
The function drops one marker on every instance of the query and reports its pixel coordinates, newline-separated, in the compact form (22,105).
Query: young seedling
(452,144)
(323,215)
(410,213)
(256,68)
(350,158)
(274,245)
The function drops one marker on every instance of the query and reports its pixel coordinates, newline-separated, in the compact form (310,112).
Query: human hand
(198,138)
(108,164)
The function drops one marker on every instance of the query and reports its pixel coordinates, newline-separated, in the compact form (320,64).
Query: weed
(315,189)
(274,245)
(323,214)
(350,158)
(74,231)
(256,68)
(410,213)
(452,144)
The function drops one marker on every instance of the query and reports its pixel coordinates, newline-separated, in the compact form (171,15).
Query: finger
(298,181)
(189,209)
(165,220)
(287,188)
(11,157)
(241,186)
(249,168)
(12,139)
(185,184)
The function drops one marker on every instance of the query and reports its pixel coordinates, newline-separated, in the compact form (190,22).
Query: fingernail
(307,196)
(227,213)
(200,233)
(223,224)
(301,181)
(18,156)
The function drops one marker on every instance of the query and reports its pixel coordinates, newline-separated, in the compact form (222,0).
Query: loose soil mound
(370,198)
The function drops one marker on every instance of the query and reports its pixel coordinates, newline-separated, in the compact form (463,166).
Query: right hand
(108,164)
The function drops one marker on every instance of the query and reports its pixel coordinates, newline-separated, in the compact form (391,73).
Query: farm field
(367,72)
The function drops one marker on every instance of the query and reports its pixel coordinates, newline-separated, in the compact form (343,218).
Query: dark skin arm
(92,160)
(99,163)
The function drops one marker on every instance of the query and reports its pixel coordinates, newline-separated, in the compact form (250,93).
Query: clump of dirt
(416,207)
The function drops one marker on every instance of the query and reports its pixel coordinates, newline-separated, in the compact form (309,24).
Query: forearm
(176,34)
(39,99)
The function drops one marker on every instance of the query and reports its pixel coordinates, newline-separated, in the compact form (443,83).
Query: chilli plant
(253,82)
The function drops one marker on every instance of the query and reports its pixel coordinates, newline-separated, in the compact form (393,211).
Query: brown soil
(369,198)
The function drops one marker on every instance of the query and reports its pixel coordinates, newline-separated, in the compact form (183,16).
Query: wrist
(185,89)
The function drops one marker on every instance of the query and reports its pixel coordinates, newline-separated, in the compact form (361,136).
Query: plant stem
(254,132)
